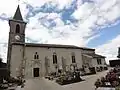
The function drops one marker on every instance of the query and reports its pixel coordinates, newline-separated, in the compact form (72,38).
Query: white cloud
(59,22)
(105,5)
(110,16)
(38,32)
(102,12)
(3,52)
(84,11)
(37,2)
(89,15)
(61,3)
(8,7)
(53,16)
(62,33)
(110,49)
(4,30)
(93,37)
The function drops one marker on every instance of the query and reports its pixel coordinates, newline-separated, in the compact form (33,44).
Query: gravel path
(44,84)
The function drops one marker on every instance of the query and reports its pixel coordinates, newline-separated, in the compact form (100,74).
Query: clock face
(17,37)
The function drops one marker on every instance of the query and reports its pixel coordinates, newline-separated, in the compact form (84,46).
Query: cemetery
(111,80)
(67,78)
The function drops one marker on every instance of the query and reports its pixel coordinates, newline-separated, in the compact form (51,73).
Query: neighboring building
(38,60)
(114,63)
(90,59)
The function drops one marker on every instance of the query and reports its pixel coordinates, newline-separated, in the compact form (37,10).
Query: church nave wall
(47,53)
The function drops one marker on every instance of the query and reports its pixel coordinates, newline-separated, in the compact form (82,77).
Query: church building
(32,60)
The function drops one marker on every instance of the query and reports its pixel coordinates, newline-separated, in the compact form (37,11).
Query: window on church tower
(17,28)
(54,58)
(73,58)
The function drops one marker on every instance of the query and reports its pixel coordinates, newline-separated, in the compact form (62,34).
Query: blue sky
(84,23)
(106,34)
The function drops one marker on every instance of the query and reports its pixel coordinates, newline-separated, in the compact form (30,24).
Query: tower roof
(18,15)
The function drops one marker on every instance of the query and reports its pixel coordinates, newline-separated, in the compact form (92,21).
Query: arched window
(73,58)
(54,58)
(99,61)
(36,56)
(17,28)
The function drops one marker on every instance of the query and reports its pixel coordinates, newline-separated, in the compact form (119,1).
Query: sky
(84,23)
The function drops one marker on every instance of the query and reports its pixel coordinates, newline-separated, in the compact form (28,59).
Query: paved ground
(43,84)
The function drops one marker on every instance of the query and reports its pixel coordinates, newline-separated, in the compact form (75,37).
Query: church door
(36,72)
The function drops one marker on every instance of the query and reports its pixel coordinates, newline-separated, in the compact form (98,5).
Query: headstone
(87,70)
(18,88)
(106,88)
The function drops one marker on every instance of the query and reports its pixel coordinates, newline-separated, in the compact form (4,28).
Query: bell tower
(17,28)
(16,33)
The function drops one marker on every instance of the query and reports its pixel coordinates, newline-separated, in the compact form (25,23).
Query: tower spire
(18,15)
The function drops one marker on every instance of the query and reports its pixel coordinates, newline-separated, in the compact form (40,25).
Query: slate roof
(18,15)
(95,55)
(53,46)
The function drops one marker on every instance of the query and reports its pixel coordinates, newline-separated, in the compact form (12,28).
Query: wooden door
(36,72)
